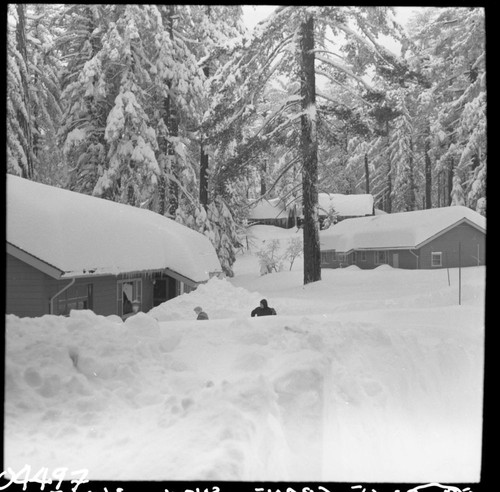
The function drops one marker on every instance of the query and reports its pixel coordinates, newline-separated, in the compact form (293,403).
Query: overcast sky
(253,14)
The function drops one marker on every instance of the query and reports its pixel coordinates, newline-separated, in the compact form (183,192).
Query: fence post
(447,267)
(459,274)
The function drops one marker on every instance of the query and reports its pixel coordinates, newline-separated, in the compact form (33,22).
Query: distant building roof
(346,205)
(405,230)
(268,209)
(79,234)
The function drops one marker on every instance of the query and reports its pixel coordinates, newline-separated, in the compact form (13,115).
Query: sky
(253,14)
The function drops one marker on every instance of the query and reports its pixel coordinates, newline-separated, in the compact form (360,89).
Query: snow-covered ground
(368,376)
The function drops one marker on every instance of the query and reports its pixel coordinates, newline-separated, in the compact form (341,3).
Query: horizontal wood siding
(407,260)
(469,237)
(104,302)
(473,246)
(147,294)
(26,289)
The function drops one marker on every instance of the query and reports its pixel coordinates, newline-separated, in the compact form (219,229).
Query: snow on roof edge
(76,233)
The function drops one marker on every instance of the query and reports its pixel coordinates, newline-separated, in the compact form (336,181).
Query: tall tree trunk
(203,177)
(204,162)
(439,189)
(412,202)
(309,147)
(388,201)
(24,123)
(263,172)
(168,189)
(367,175)
(173,129)
(428,171)
(451,169)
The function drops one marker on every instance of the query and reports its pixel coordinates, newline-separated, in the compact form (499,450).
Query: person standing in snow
(136,307)
(263,310)
(201,314)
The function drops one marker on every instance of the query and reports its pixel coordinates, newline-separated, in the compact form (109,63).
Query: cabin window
(380,257)
(128,291)
(76,297)
(436,259)
(361,255)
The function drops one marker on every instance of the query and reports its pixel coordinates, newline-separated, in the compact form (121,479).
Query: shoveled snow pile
(370,382)
(218,298)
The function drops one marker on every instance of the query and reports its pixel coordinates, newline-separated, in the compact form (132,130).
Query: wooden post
(447,267)
(459,274)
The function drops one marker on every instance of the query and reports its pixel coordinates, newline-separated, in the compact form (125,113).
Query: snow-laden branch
(345,70)
(293,190)
(347,88)
(270,58)
(286,168)
(285,124)
(374,46)
(291,101)
(328,52)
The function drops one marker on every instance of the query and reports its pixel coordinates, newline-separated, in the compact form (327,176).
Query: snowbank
(359,377)
(218,297)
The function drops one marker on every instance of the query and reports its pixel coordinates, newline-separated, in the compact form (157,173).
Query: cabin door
(164,289)
(395,260)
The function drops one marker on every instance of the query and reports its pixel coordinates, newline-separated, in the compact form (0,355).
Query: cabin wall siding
(26,289)
(470,239)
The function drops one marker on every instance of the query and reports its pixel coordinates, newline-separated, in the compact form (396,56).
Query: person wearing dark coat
(263,310)
(201,314)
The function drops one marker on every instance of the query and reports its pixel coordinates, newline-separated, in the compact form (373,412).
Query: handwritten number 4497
(22,477)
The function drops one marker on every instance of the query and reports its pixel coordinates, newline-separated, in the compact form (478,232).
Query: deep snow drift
(365,376)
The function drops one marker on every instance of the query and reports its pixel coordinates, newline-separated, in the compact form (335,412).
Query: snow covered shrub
(331,218)
(294,250)
(270,258)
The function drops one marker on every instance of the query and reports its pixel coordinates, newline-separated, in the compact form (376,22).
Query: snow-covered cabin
(345,206)
(270,212)
(433,238)
(66,250)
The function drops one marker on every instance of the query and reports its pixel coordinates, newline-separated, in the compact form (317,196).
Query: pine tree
(85,96)
(274,50)
(451,45)
(20,155)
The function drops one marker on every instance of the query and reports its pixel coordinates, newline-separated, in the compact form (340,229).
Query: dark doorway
(164,289)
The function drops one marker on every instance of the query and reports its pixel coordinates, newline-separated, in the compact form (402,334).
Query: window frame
(136,293)
(438,254)
(81,297)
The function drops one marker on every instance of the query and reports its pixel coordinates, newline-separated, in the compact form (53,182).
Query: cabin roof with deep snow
(399,230)
(79,234)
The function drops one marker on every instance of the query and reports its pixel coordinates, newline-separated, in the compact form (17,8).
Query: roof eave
(34,261)
(446,229)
